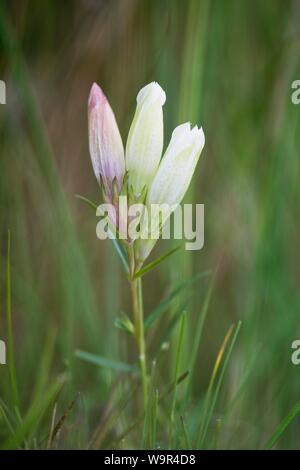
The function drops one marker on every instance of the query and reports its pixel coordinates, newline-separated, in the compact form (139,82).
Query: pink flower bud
(105,143)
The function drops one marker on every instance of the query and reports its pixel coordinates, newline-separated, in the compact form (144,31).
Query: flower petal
(172,179)
(177,166)
(105,143)
(145,138)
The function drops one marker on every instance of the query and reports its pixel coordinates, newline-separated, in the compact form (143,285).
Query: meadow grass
(219,323)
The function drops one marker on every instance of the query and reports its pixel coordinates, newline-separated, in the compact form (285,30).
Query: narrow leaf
(155,263)
(169,330)
(124,323)
(166,303)
(213,396)
(177,367)
(35,414)
(10,339)
(90,203)
(282,426)
(116,244)
(103,362)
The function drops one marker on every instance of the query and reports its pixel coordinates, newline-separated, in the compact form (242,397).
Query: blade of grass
(186,439)
(177,368)
(6,419)
(10,341)
(45,365)
(149,431)
(112,416)
(61,421)
(104,362)
(159,399)
(169,330)
(198,336)
(166,303)
(282,426)
(34,414)
(208,411)
(49,442)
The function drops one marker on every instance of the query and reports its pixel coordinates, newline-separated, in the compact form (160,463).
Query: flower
(177,167)
(160,181)
(173,177)
(105,143)
(145,139)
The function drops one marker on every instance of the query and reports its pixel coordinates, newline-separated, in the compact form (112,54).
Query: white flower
(172,178)
(165,181)
(177,167)
(145,138)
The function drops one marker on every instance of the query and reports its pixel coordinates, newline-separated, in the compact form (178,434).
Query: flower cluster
(141,173)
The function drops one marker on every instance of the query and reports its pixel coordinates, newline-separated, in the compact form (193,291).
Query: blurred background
(227,66)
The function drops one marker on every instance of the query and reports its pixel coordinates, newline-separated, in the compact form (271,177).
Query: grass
(71,379)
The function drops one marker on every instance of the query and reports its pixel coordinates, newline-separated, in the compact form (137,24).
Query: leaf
(177,367)
(35,414)
(159,399)
(104,362)
(150,422)
(10,338)
(116,244)
(187,444)
(124,323)
(121,253)
(90,203)
(165,304)
(4,414)
(174,320)
(155,263)
(197,337)
(282,426)
(62,419)
(212,396)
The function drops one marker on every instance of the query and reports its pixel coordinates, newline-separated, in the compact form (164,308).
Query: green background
(225,65)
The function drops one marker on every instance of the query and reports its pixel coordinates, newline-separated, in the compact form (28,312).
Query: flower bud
(105,143)
(145,139)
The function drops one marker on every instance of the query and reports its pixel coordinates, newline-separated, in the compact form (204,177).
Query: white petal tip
(199,138)
(152,91)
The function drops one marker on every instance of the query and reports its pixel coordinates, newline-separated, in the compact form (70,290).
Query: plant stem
(138,317)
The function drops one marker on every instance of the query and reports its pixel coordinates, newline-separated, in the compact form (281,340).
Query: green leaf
(197,337)
(10,339)
(166,303)
(177,368)
(186,439)
(124,323)
(150,421)
(212,394)
(35,414)
(169,329)
(282,426)
(155,263)
(116,244)
(121,253)
(90,203)
(103,362)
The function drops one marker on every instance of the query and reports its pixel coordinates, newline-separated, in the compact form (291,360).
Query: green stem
(138,317)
